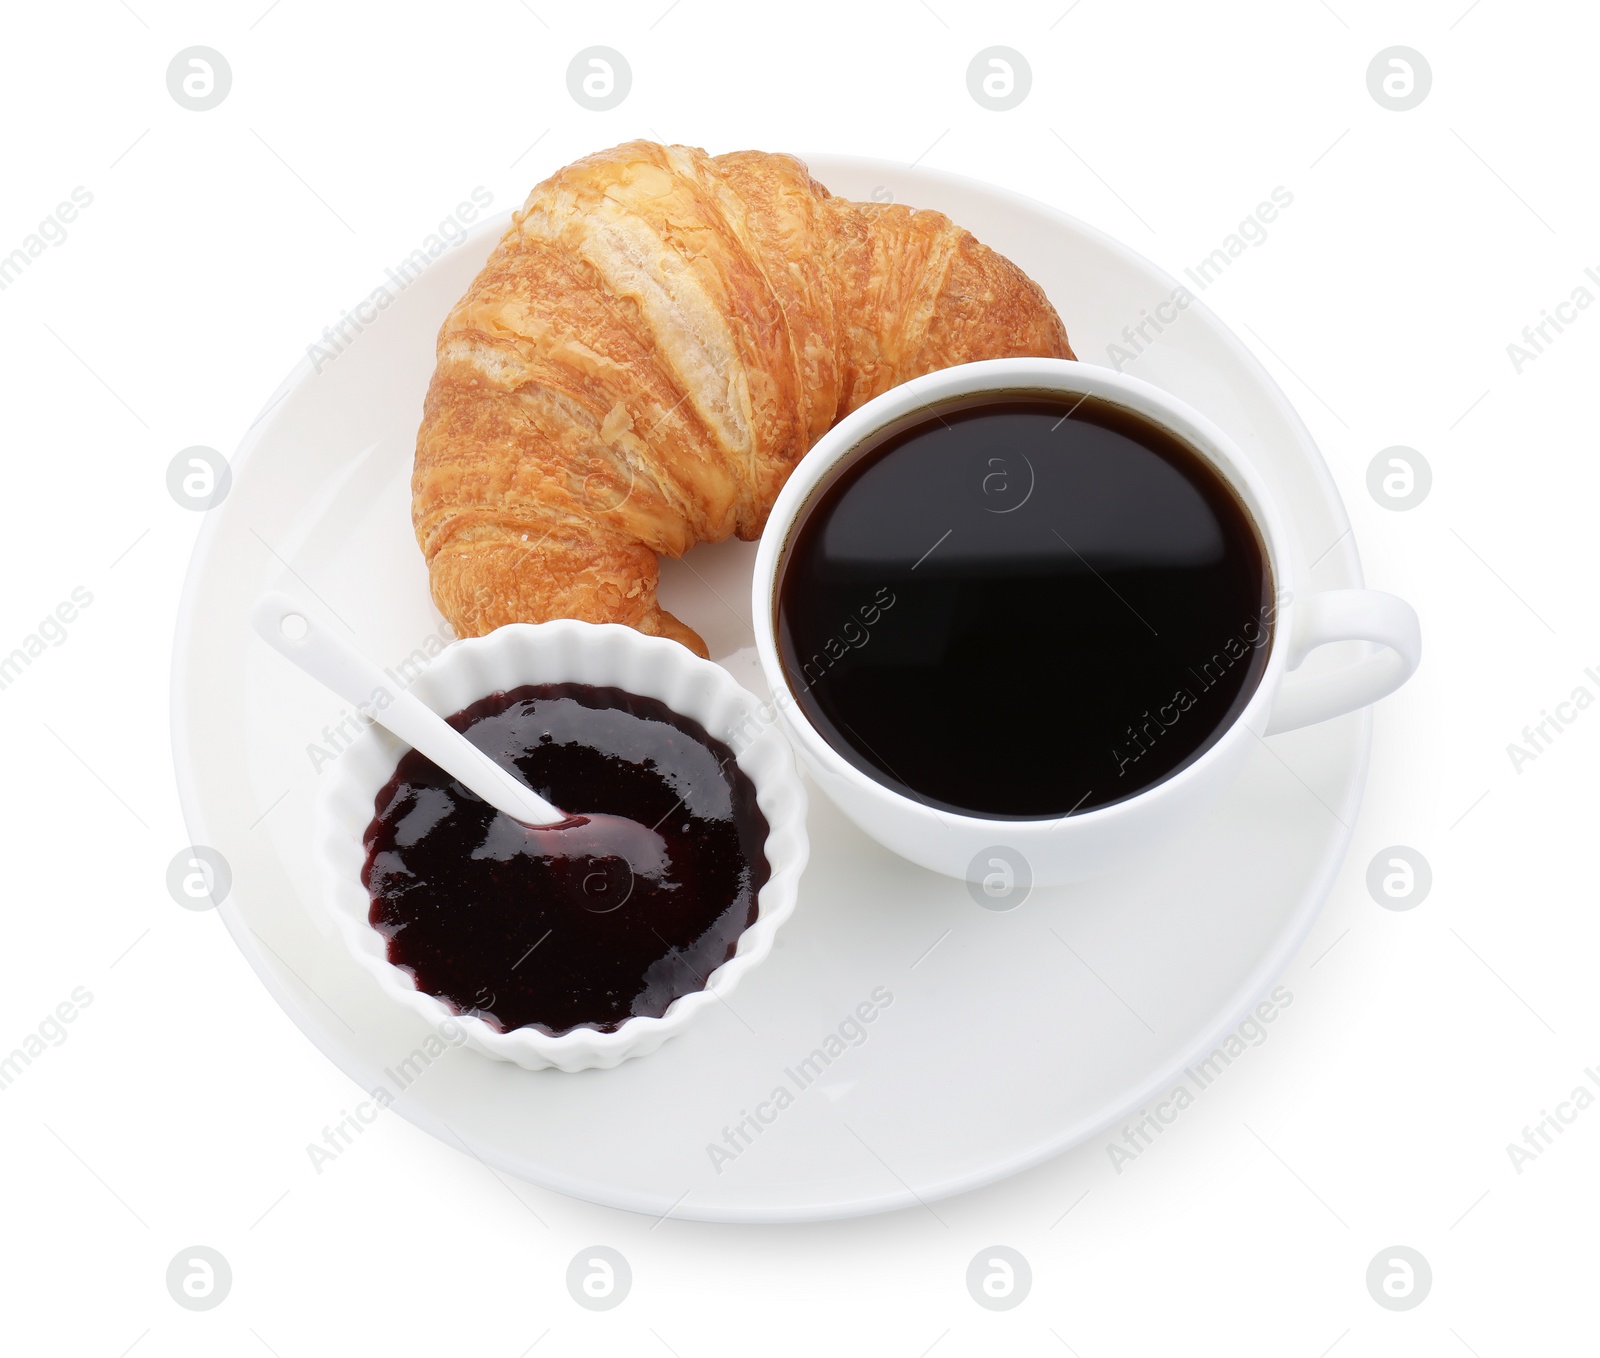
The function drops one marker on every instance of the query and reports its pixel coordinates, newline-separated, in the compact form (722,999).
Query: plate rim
(1319,884)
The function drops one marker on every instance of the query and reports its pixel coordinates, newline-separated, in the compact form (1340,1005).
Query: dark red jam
(629,906)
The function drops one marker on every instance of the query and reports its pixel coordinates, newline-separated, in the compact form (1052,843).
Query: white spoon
(293,630)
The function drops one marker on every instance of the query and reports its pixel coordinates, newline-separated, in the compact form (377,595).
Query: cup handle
(1346,615)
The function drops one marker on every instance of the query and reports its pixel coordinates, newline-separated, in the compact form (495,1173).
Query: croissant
(652,346)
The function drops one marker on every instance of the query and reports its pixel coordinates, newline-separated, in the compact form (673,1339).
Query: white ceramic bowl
(568,652)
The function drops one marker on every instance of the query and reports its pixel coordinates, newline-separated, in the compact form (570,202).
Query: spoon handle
(294,631)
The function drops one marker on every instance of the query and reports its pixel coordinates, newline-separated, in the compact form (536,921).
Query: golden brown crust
(651,348)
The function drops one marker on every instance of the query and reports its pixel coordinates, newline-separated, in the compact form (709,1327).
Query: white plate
(1018,1035)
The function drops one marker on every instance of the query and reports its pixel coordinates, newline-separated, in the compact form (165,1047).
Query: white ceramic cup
(1071,848)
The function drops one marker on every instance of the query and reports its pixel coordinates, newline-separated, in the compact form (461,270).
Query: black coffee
(1024,607)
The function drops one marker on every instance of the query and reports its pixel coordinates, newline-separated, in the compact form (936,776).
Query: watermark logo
(599,1278)
(1399,878)
(607,886)
(199,1278)
(999,877)
(1399,1278)
(999,1278)
(199,78)
(1006,488)
(1399,478)
(199,478)
(999,78)
(198,877)
(599,78)
(1399,78)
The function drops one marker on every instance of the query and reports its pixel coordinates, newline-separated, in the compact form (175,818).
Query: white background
(218,244)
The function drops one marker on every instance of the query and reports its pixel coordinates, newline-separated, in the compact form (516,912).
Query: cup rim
(854,435)
(567,650)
